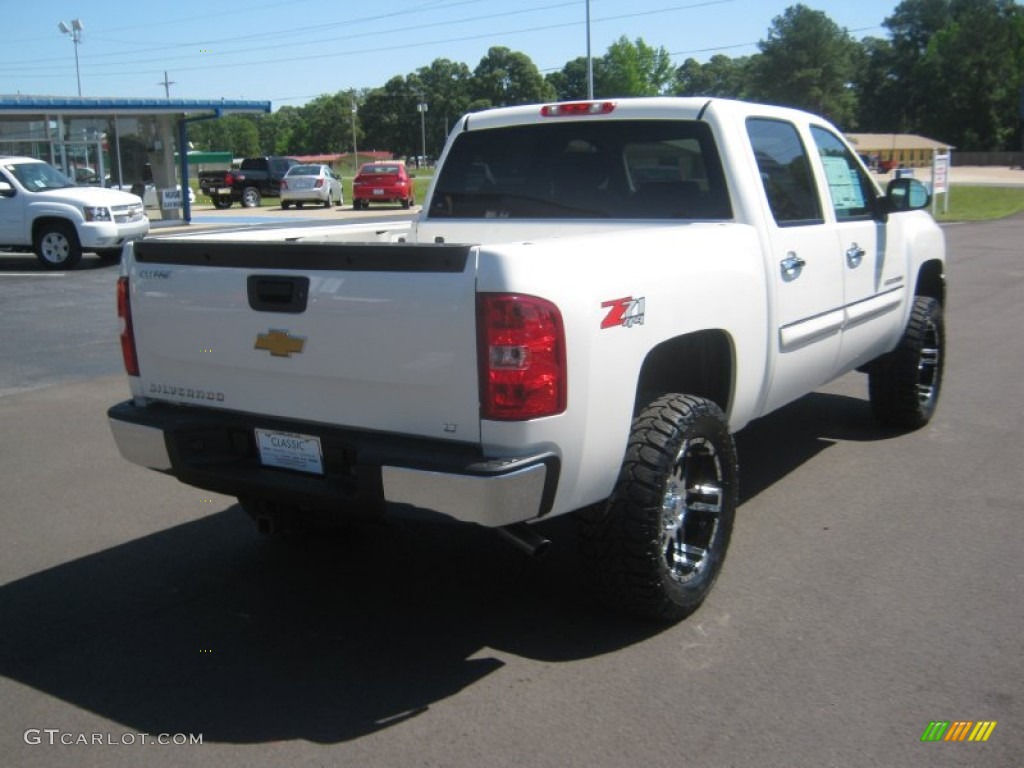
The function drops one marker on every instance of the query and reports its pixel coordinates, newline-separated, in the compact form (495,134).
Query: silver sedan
(311,184)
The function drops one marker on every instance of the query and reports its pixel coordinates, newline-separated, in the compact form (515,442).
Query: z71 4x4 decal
(625,312)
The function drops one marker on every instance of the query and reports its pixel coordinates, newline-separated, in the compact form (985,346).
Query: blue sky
(291,52)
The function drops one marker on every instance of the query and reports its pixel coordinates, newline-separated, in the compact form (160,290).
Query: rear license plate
(224,191)
(289,450)
(378,191)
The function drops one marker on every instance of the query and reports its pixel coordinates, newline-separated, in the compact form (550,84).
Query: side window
(851,190)
(785,172)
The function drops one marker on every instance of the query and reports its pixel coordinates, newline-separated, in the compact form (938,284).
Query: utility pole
(590,60)
(422,109)
(167,85)
(355,146)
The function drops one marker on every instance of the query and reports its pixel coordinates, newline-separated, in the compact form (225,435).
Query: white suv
(43,211)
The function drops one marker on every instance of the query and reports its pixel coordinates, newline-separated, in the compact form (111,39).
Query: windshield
(38,177)
(631,169)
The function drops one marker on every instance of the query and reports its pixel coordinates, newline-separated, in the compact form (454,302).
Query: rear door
(803,264)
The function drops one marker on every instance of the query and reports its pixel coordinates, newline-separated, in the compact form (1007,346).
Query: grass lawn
(967,203)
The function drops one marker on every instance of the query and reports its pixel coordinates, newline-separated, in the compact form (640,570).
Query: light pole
(590,60)
(422,109)
(75,31)
(355,146)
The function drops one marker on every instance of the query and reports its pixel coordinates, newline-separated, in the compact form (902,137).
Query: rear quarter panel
(690,277)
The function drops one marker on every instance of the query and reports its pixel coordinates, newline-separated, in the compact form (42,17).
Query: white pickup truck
(43,211)
(594,297)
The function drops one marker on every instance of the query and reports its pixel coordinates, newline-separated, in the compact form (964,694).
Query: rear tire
(904,384)
(220,203)
(657,545)
(251,197)
(57,246)
(285,206)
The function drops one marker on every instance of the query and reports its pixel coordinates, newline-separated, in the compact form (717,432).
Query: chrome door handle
(854,256)
(791,266)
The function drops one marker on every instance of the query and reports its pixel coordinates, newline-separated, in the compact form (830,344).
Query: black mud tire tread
(893,379)
(620,539)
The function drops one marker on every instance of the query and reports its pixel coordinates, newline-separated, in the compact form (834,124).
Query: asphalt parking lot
(873,586)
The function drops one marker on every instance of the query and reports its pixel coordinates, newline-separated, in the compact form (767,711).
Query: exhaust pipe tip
(524,538)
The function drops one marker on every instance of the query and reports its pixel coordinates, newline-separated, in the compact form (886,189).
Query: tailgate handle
(278,293)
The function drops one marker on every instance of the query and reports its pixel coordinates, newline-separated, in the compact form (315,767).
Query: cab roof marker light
(578,108)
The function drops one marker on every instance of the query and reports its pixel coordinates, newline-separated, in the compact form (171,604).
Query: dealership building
(132,144)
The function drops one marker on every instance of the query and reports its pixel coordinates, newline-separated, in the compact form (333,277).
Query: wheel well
(931,281)
(49,220)
(699,363)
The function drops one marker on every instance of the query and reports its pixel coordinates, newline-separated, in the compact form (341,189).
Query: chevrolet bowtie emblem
(280,343)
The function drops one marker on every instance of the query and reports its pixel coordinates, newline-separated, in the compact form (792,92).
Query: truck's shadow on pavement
(205,628)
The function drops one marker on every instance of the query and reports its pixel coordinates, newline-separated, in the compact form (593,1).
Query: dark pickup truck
(256,178)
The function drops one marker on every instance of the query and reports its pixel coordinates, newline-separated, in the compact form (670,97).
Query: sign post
(940,181)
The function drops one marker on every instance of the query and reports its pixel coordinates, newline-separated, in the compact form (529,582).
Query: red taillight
(521,357)
(284,184)
(578,108)
(124,312)
(319,183)
(229,179)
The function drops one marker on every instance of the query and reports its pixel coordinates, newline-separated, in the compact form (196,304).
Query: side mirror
(6,190)
(906,194)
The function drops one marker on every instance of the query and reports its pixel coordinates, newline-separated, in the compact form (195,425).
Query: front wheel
(904,384)
(657,545)
(57,245)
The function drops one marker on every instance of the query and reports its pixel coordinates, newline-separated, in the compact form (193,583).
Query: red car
(383,182)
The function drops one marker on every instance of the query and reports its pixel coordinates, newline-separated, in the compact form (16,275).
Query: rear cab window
(785,171)
(625,169)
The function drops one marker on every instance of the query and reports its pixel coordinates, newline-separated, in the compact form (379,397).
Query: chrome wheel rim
(928,365)
(55,248)
(691,511)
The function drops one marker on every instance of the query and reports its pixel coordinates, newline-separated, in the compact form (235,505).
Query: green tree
(389,118)
(911,28)
(807,62)
(506,78)
(444,88)
(961,63)
(880,94)
(719,76)
(234,133)
(634,69)
(276,130)
(570,82)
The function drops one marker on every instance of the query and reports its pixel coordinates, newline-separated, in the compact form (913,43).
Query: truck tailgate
(375,336)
